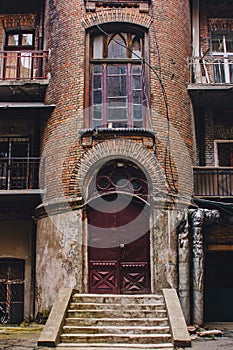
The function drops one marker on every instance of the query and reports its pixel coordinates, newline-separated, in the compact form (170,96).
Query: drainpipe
(33,269)
(196,40)
(41,27)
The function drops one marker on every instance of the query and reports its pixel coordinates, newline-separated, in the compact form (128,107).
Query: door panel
(118,248)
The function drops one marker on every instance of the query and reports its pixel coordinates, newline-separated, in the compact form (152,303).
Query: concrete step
(106,306)
(117,299)
(101,346)
(121,322)
(116,313)
(116,329)
(116,338)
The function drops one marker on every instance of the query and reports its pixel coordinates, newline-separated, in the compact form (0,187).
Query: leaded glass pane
(98,46)
(136,48)
(117,47)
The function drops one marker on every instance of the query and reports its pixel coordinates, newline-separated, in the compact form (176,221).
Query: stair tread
(112,296)
(106,335)
(104,346)
(117,304)
(93,310)
(119,318)
(119,327)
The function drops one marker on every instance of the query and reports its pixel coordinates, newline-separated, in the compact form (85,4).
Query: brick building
(116,152)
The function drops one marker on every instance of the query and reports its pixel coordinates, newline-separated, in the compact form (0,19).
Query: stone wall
(59,256)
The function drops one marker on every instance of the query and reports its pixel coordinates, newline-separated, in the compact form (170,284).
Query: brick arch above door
(116,15)
(95,158)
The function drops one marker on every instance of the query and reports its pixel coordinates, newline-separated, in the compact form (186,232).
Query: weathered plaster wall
(59,256)
(164,250)
(17,233)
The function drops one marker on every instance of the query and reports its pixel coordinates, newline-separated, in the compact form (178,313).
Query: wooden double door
(118,246)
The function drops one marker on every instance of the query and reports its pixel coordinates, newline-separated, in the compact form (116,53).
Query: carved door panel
(118,249)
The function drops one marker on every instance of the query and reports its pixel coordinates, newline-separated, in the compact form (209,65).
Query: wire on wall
(167,157)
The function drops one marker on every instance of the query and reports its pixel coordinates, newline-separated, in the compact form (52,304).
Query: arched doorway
(118,230)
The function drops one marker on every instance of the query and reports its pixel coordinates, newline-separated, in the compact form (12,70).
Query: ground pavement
(25,338)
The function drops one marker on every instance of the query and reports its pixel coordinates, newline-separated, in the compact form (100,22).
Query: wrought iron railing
(19,173)
(213,182)
(211,69)
(23,65)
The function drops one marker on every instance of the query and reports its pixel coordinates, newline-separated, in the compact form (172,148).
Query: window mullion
(104,95)
(226,63)
(9,170)
(129,96)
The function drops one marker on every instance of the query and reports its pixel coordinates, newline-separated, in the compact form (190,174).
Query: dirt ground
(19,338)
(25,338)
(224,342)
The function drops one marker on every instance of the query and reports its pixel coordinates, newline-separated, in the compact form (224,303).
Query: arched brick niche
(116,15)
(101,153)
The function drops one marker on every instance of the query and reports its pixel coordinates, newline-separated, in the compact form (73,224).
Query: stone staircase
(104,322)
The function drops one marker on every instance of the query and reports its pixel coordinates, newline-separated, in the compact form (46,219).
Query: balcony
(23,75)
(213,182)
(22,6)
(211,81)
(211,69)
(19,173)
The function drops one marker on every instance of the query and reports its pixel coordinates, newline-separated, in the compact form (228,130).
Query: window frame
(223,64)
(90,61)
(216,152)
(19,47)
(223,38)
(9,160)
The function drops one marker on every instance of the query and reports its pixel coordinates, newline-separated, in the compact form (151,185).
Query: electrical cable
(167,158)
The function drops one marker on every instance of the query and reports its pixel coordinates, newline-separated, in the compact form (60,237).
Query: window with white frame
(222,49)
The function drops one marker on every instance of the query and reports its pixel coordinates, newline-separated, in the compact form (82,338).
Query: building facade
(116,152)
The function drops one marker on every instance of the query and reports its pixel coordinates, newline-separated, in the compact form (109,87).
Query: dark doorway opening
(219,286)
(12,289)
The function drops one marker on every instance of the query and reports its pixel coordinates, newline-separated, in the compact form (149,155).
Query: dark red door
(118,246)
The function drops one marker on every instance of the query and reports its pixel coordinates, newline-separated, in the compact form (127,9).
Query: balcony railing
(214,69)
(19,173)
(23,65)
(213,182)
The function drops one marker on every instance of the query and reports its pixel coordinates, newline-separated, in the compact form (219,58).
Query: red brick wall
(169,48)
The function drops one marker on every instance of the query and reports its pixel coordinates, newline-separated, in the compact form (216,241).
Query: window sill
(88,135)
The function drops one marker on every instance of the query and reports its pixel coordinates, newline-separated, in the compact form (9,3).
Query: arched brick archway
(116,15)
(118,245)
(102,152)
(84,173)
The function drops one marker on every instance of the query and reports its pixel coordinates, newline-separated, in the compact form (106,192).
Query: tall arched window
(117,84)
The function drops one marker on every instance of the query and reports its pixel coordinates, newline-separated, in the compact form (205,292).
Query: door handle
(123,251)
